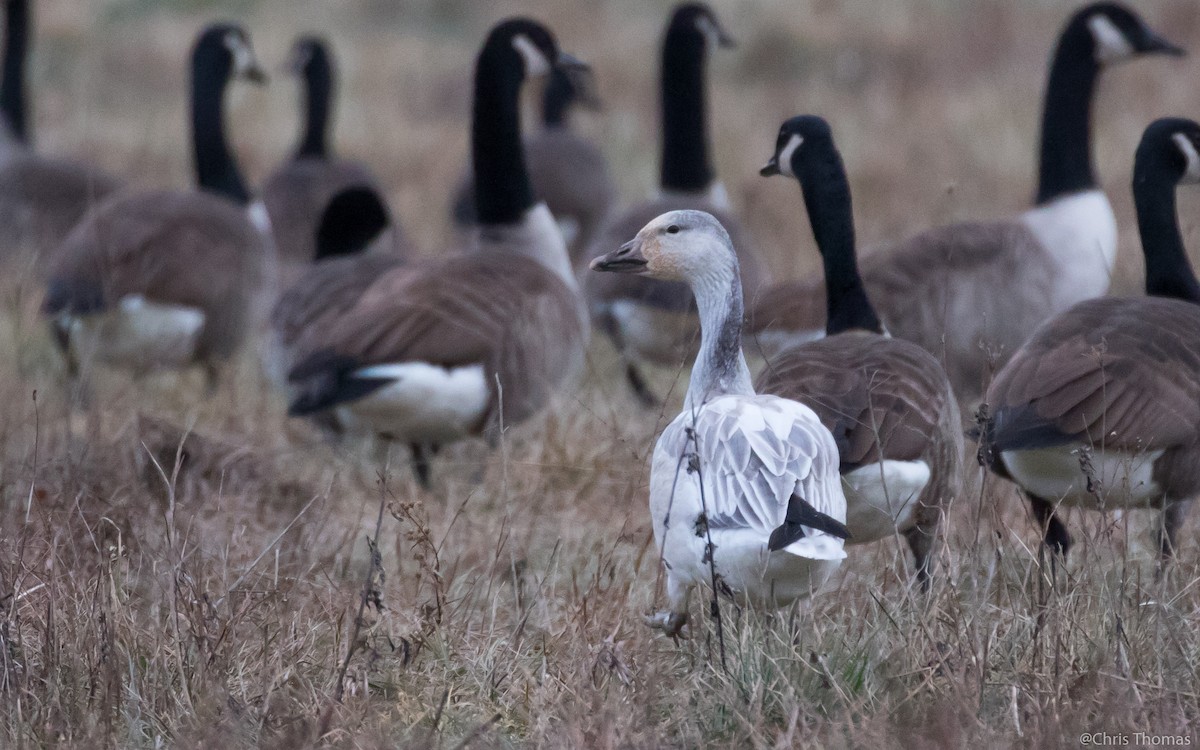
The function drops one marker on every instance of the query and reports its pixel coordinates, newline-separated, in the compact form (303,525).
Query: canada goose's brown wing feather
(502,311)
(672,296)
(43,198)
(325,292)
(1124,373)
(172,247)
(881,398)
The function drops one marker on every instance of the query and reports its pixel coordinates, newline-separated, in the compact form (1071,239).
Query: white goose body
(739,482)
(754,452)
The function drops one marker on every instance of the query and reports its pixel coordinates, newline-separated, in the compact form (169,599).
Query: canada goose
(41,197)
(971,293)
(746,481)
(297,192)
(432,353)
(355,221)
(651,320)
(1101,407)
(568,171)
(887,402)
(164,278)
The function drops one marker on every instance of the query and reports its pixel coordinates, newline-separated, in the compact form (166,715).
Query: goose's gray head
(676,246)
(1172,145)
(1117,33)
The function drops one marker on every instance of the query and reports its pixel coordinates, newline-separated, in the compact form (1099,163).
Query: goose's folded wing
(1123,373)
(509,315)
(755,453)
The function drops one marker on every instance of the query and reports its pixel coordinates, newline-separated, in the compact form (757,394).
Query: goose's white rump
(753,453)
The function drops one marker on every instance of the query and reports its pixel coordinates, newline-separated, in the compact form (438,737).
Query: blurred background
(935,103)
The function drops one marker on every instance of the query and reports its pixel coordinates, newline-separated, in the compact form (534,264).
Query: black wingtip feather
(325,380)
(801,513)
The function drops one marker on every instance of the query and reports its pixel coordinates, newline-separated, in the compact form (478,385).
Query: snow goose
(887,402)
(1100,409)
(746,481)
(650,320)
(165,278)
(971,293)
(428,354)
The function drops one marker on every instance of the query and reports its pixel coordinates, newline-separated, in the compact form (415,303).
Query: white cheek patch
(1110,43)
(785,155)
(1191,173)
(536,63)
(243,57)
(712,34)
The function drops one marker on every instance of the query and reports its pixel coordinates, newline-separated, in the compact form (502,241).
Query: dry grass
(177,571)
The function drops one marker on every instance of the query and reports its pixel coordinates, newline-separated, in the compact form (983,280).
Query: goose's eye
(673,229)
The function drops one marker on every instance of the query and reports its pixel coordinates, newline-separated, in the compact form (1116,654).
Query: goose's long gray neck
(720,367)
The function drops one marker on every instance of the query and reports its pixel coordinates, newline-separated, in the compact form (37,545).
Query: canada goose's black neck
(318,102)
(216,169)
(1066,151)
(12,85)
(557,100)
(826,191)
(503,192)
(685,162)
(1168,272)
(720,367)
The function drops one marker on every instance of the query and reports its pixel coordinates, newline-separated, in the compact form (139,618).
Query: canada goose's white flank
(651,320)
(744,488)
(413,353)
(1101,407)
(971,293)
(887,402)
(165,278)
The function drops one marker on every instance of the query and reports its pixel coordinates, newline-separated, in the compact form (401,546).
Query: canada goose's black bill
(1150,42)
(771,168)
(579,74)
(628,258)
(717,34)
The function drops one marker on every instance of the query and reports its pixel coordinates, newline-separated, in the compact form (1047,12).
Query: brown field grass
(189,572)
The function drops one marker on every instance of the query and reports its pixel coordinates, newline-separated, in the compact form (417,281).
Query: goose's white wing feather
(753,453)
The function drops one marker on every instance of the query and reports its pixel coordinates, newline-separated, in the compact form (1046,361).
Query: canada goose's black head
(801,140)
(698,21)
(534,48)
(309,56)
(1170,146)
(223,51)
(676,246)
(352,220)
(1117,33)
